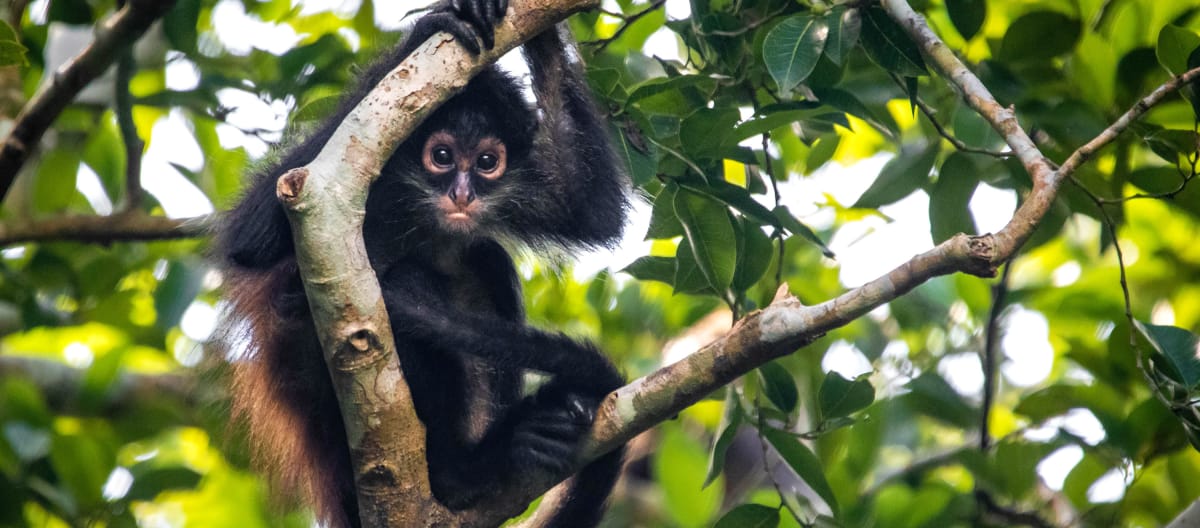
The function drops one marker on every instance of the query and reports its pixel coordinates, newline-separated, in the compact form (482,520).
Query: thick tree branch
(325,204)
(115,34)
(117,227)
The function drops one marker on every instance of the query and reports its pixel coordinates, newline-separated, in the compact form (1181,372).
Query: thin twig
(629,20)
(1084,153)
(750,26)
(930,113)
(999,292)
(1011,516)
(1125,294)
(124,226)
(116,33)
(123,108)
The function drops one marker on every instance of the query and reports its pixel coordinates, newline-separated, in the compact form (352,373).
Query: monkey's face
(462,174)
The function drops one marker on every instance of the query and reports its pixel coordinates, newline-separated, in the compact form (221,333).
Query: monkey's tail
(587,495)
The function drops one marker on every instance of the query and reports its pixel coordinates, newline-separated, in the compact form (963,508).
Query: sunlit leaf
(792,48)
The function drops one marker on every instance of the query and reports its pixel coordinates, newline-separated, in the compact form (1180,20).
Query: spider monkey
(485,167)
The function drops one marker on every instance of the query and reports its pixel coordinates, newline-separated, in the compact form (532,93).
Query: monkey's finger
(474,12)
(435,22)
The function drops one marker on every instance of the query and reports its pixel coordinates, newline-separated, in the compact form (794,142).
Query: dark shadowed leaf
(710,234)
(750,516)
(839,396)
(802,460)
(755,253)
(730,422)
(779,386)
(795,227)
(950,197)
(889,46)
(967,16)
(902,175)
(1179,347)
(661,269)
(1040,35)
(845,24)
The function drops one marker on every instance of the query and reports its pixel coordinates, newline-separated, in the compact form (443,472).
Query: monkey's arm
(573,140)
(425,317)
(256,233)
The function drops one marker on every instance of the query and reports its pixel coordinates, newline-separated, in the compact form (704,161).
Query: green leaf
(1170,144)
(710,235)
(732,195)
(640,160)
(802,460)
(791,49)
(731,421)
(755,253)
(889,46)
(929,394)
(146,486)
(663,222)
(176,292)
(1175,45)
(967,16)
(750,516)
(661,269)
(104,152)
(1040,35)
(688,276)
(777,115)
(779,386)
(795,227)
(902,175)
(845,25)
(317,109)
(679,465)
(1179,347)
(950,197)
(13,53)
(840,397)
(54,184)
(179,25)
(705,133)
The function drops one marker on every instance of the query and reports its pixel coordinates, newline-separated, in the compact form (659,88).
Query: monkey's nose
(461,192)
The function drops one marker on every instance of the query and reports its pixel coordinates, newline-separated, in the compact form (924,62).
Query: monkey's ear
(256,234)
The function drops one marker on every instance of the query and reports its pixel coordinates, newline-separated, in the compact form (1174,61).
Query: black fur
(452,295)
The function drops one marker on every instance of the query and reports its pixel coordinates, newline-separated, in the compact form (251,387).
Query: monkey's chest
(486,386)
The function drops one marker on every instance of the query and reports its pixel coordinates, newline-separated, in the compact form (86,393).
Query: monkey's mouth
(458,216)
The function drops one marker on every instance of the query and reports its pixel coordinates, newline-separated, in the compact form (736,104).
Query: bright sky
(866,249)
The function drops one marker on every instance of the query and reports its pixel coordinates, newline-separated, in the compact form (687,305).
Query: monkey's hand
(468,21)
(546,436)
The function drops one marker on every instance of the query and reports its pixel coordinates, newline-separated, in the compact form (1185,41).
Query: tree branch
(1084,153)
(61,385)
(115,34)
(117,227)
(325,202)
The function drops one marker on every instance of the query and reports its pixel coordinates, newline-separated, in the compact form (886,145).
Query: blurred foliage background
(771,141)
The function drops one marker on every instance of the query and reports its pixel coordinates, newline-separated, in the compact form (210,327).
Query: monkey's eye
(487,162)
(441,156)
